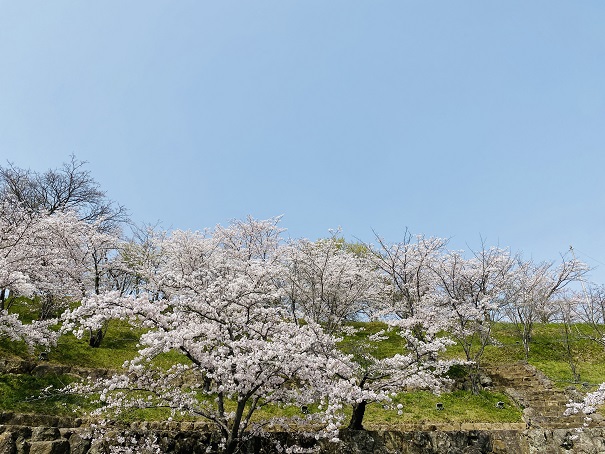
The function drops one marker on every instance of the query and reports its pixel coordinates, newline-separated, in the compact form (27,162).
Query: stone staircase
(543,406)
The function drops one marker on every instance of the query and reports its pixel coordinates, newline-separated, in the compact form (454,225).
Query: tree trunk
(357,416)
(96,337)
(526,348)
(231,446)
(207,384)
(2,298)
(47,309)
(527,327)
(293,309)
(233,440)
(571,360)
(474,377)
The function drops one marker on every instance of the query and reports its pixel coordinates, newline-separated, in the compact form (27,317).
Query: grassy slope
(547,353)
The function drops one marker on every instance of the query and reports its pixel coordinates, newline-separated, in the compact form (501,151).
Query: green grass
(458,407)
(22,394)
(547,352)
(420,407)
(394,344)
(119,345)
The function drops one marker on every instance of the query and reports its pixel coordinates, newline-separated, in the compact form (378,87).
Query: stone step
(549,404)
(557,424)
(515,375)
(543,406)
(516,379)
(35,420)
(546,405)
(560,417)
(546,396)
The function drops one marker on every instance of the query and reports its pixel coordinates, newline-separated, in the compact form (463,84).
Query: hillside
(542,385)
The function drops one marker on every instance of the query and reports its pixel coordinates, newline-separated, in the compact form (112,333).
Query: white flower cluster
(256,322)
(222,300)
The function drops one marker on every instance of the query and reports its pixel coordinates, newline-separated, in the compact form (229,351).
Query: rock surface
(48,440)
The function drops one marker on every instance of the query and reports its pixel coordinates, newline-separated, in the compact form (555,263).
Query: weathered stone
(485,380)
(45,434)
(5,417)
(201,425)
(78,444)
(416,439)
(17,431)
(16,366)
(29,420)
(7,444)
(49,447)
(97,447)
(359,440)
(67,432)
(509,442)
(22,445)
(187,425)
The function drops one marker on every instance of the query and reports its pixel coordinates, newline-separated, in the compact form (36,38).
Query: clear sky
(461,119)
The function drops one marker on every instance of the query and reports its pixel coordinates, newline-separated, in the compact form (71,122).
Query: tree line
(257,317)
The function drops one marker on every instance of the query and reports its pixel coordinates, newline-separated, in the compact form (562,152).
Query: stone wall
(15,439)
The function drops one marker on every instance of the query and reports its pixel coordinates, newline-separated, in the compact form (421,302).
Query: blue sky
(463,119)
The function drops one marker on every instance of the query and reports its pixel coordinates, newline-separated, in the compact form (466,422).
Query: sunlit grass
(119,345)
(458,407)
(547,352)
(23,393)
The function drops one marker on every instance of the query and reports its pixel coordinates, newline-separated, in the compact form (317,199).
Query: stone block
(78,444)
(7,444)
(45,434)
(185,425)
(49,447)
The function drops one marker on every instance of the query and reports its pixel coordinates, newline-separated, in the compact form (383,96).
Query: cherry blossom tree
(328,283)
(59,271)
(21,236)
(102,267)
(571,334)
(138,261)
(417,366)
(220,308)
(131,267)
(251,239)
(471,290)
(408,267)
(588,307)
(59,232)
(532,290)
(70,188)
(16,250)
(393,282)
(52,260)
